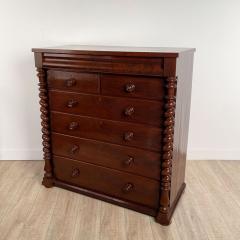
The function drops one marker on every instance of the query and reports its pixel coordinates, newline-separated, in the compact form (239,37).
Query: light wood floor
(209,208)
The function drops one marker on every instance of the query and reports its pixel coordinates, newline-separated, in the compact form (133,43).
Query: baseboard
(21,154)
(210,154)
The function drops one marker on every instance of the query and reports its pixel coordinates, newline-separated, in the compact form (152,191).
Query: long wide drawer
(73,81)
(104,180)
(114,108)
(132,86)
(129,134)
(123,158)
(106,63)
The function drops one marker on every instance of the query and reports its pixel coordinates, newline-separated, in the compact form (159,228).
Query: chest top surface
(116,50)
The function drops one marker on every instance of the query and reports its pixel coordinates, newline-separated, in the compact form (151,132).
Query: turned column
(163,215)
(44,108)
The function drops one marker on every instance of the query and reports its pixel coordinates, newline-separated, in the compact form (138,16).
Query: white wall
(212,26)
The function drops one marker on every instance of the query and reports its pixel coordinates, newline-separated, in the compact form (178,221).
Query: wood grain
(132,86)
(127,159)
(121,96)
(104,180)
(73,81)
(106,130)
(113,108)
(182,113)
(108,64)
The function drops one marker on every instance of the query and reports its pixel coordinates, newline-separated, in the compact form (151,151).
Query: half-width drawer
(114,156)
(114,108)
(128,134)
(73,81)
(108,181)
(132,86)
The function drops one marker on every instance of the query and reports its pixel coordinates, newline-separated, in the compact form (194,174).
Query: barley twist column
(167,149)
(43,94)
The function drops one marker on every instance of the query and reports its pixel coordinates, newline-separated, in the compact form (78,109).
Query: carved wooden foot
(47,181)
(163,219)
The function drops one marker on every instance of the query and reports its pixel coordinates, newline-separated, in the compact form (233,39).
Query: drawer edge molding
(45,122)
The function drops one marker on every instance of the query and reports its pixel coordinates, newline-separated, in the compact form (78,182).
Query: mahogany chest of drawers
(115,123)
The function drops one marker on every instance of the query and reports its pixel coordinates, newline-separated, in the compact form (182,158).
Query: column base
(48,182)
(165,218)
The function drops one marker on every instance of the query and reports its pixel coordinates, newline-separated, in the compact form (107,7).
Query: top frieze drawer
(105,64)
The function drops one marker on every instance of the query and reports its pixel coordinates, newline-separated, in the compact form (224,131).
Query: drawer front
(106,63)
(115,108)
(73,81)
(110,131)
(122,158)
(104,180)
(132,86)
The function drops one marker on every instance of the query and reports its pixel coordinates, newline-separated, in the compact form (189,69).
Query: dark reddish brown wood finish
(107,198)
(114,108)
(43,94)
(167,149)
(132,86)
(115,123)
(127,159)
(73,81)
(104,180)
(128,134)
(104,64)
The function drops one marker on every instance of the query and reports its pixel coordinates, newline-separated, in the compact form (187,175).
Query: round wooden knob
(73,125)
(72,103)
(128,161)
(70,82)
(128,136)
(74,149)
(129,111)
(130,87)
(128,187)
(75,172)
